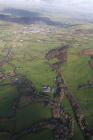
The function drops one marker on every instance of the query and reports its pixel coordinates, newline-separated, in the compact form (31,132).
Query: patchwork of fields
(28,50)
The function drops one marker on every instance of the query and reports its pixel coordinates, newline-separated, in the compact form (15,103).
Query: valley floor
(22,53)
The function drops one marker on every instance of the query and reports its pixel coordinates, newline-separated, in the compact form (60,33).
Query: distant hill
(20,12)
(28,17)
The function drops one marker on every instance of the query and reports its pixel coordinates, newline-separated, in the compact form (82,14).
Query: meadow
(29,50)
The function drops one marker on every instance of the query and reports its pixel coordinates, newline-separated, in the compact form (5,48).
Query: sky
(70,5)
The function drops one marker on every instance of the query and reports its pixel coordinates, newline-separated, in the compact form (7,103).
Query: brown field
(86,53)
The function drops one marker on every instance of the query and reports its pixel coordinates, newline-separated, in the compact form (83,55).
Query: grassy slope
(36,113)
(77,71)
(30,59)
(44,135)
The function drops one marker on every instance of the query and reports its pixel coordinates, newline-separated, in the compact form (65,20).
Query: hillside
(29,45)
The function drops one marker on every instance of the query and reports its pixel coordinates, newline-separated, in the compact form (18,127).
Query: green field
(29,51)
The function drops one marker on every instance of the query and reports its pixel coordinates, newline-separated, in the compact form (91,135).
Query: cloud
(73,5)
(21,3)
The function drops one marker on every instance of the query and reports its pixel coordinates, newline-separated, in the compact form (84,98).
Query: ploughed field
(28,47)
